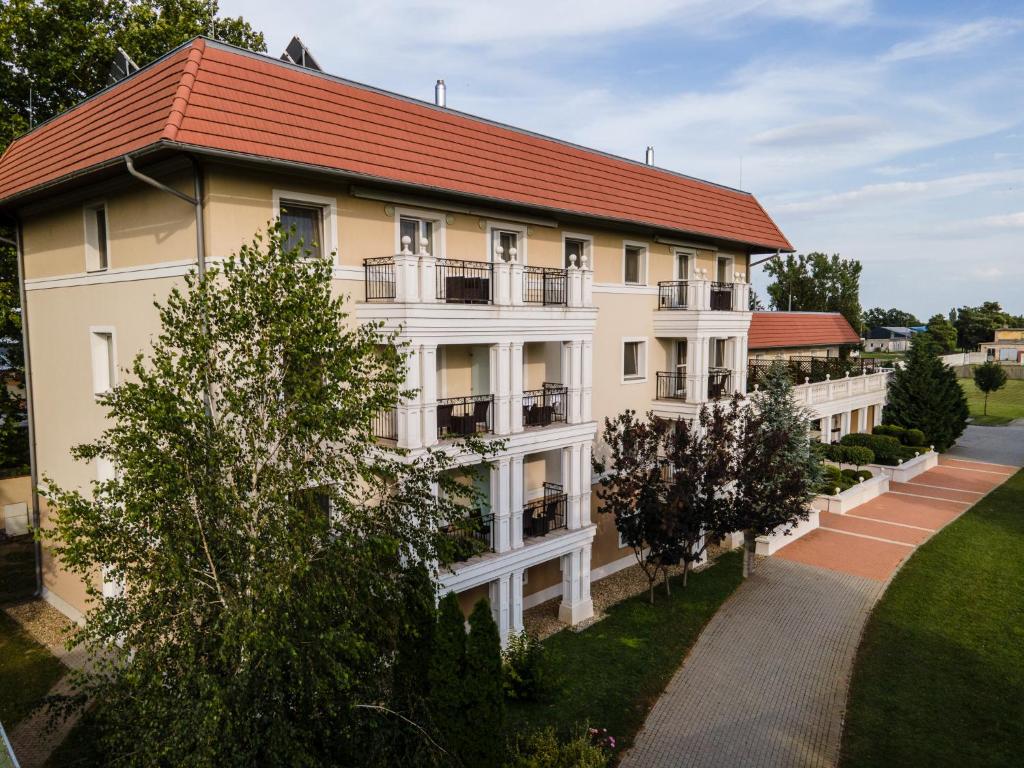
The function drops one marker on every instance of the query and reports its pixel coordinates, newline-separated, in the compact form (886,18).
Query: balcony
(546,286)
(465,416)
(463,282)
(718,383)
(673,294)
(545,406)
(722,297)
(671,385)
(471,536)
(385,425)
(546,514)
(697,295)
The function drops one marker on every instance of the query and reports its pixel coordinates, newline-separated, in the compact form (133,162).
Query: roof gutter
(33,464)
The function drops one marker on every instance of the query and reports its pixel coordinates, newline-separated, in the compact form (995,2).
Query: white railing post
(502,276)
(588,282)
(574,280)
(516,276)
(407,280)
(428,273)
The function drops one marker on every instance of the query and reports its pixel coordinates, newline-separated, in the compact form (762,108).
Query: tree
(630,490)
(777,471)
(484,715)
(977,324)
(989,377)
(754,303)
(255,537)
(877,316)
(699,463)
(817,283)
(942,333)
(447,675)
(924,394)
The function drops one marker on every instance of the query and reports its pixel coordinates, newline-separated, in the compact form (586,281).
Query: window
(724,274)
(416,229)
(634,267)
(718,353)
(97,246)
(506,241)
(634,360)
(682,265)
(303,226)
(575,247)
(104,371)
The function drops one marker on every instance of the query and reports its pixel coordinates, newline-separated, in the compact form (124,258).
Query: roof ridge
(181,97)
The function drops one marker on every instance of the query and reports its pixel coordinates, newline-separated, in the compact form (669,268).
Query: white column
(572,373)
(574,279)
(516,283)
(410,410)
(501,496)
(588,286)
(501,604)
(878,415)
(740,364)
(862,419)
(844,424)
(571,485)
(428,393)
(576,604)
(516,388)
(587,381)
(502,277)
(584,481)
(517,601)
(697,369)
(501,386)
(407,277)
(826,428)
(517,486)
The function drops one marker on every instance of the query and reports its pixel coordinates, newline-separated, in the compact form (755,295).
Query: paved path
(1002,445)
(766,682)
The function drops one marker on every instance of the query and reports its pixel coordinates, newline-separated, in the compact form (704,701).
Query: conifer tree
(485,695)
(925,395)
(446,674)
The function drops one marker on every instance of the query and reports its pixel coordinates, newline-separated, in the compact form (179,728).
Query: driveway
(999,445)
(766,682)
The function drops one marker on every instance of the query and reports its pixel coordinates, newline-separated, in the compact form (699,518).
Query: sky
(888,132)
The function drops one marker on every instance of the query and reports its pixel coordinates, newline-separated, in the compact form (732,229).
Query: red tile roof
(208,96)
(799,329)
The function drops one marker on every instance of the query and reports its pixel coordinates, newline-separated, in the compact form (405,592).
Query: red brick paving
(947,476)
(981,466)
(916,489)
(842,552)
(865,527)
(911,510)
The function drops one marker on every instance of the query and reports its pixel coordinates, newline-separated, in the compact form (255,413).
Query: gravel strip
(44,623)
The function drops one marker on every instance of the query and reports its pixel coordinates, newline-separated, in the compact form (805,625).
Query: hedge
(849,454)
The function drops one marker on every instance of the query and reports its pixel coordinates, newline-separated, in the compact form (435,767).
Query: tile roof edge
(181,97)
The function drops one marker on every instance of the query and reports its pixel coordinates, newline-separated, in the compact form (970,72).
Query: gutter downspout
(33,466)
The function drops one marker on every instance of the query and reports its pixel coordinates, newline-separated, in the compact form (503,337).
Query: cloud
(953,39)
(829,130)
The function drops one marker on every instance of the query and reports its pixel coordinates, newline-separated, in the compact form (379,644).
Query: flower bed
(903,473)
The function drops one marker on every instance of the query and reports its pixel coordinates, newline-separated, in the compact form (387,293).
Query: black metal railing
(545,285)
(721,297)
(804,369)
(379,278)
(471,536)
(546,514)
(385,425)
(673,294)
(545,406)
(671,385)
(464,282)
(718,383)
(464,416)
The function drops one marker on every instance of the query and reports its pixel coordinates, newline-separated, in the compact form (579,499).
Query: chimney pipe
(649,157)
(439,94)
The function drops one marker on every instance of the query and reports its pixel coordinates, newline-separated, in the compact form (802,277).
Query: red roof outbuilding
(207,97)
(770,330)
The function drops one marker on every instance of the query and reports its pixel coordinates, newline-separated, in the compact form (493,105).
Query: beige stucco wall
(15,490)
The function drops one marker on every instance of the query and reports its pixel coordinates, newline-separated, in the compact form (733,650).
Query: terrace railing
(385,425)
(464,282)
(546,514)
(465,416)
(721,297)
(379,278)
(548,286)
(673,294)
(471,536)
(718,383)
(804,369)
(545,406)
(671,385)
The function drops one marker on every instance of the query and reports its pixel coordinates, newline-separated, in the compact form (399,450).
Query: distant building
(1007,346)
(888,338)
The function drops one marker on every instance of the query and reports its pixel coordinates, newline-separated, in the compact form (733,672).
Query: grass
(1003,406)
(611,673)
(17,570)
(939,677)
(27,672)
(885,355)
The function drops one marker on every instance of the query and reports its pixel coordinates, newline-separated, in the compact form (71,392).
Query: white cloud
(953,39)
(828,130)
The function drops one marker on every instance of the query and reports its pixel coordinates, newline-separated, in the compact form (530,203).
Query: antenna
(298,53)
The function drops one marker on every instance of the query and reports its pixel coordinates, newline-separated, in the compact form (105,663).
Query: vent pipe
(649,157)
(439,93)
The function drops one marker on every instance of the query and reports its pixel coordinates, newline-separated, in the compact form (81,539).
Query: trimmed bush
(914,437)
(888,450)
(890,430)
(904,435)
(848,454)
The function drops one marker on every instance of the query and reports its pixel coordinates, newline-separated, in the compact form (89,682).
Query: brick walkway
(765,684)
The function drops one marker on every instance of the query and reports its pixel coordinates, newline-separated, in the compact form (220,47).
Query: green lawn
(17,570)
(1003,406)
(939,678)
(612,673)
(27,671)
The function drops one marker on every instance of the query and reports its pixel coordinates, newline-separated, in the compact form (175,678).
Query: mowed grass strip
(1004,405)
(610,674)
(939,677)
(27,672)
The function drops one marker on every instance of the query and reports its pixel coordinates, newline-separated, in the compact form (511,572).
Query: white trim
(588,249)
(124,275)
(644,290)
(641,363)
(691,260)
(542,596)
(730,270)
(63,606)
(521,231)
(437,218)
(330,218)
(644,262)
(99,345)
(91,241)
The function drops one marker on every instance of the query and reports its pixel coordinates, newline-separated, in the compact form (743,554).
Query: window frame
(645,253)
(641,375)
(437,218)
(92,244)
(691,261)
(328,222)
(588,248)
(522,241)
(730,270)
(103,338)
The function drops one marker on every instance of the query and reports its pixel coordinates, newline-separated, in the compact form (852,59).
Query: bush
(914,437)
(890,430)
(848,454)
(525,668)
(586,749)
(904,435)
(887,449)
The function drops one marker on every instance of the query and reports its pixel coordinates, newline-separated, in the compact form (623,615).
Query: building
(885,338)
(1007,346)
(541,285)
